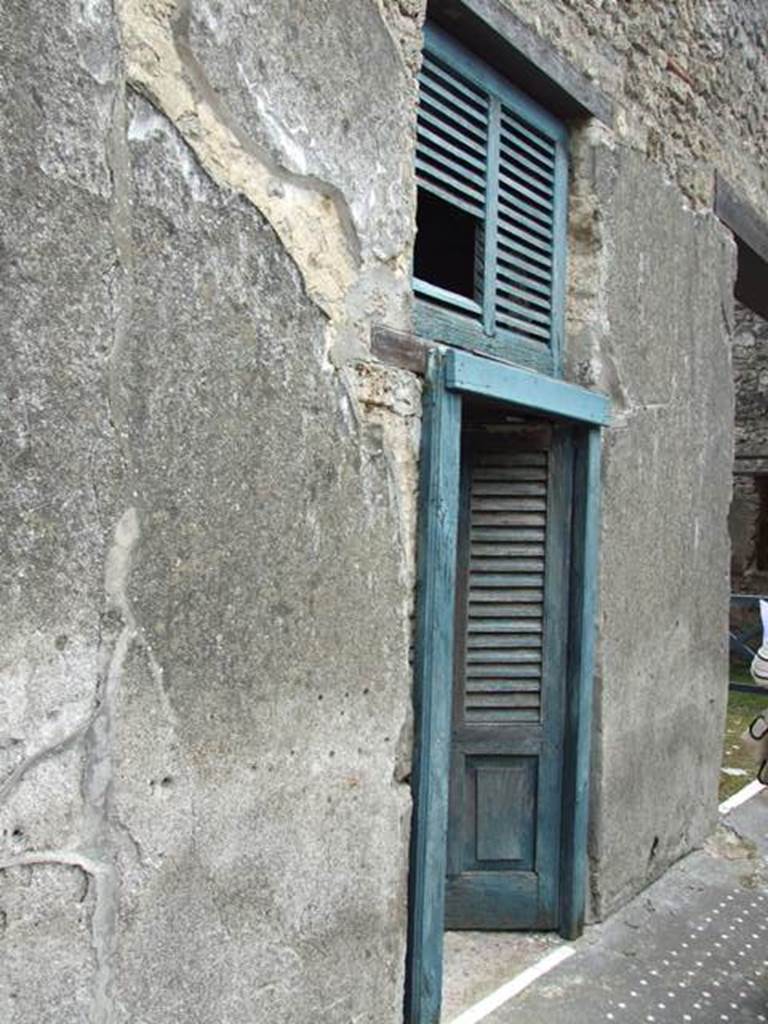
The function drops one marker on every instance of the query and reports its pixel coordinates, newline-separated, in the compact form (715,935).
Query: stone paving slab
(477,963)
(692,949)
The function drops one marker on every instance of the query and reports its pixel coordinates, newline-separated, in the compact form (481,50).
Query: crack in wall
(310,217)
(119,634)
(15,778)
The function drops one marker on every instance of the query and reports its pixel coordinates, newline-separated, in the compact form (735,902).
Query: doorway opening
(508,702)
(505,637)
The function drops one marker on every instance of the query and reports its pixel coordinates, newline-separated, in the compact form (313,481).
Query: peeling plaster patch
(306,216)
(390,403)
(590,352)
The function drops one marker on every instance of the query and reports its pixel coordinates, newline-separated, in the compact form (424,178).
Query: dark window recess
(761,539)
(447,242)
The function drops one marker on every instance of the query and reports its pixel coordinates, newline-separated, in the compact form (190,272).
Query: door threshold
(478,964)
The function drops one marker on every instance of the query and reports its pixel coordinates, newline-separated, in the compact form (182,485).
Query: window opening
(448,247)
(490,245)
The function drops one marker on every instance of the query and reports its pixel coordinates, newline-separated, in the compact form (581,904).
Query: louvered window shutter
(505,587)
(489,152)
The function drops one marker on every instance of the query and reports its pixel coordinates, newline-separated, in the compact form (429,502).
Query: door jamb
(449,375)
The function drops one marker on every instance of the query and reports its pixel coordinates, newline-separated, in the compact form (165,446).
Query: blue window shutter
(490,151)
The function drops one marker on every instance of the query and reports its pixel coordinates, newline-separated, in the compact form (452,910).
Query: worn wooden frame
(451,325)
(450,375)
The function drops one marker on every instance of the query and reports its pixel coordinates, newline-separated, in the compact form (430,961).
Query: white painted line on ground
(513,987)
(741,797)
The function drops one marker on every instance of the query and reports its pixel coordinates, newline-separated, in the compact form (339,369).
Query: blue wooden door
(509,691)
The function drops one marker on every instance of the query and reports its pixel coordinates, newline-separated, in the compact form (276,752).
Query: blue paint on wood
(584,591)
(453,328)
(506,776)
(499,381)
(444,45)
(486,148)
(491,219)
(433,674)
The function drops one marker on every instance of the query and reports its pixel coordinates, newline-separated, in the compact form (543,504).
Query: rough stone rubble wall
(750,371)
(689,80)
(207,556)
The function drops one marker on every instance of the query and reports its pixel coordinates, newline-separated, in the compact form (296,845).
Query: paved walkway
(692,948)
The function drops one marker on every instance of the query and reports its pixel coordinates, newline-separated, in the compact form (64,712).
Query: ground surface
(691,949)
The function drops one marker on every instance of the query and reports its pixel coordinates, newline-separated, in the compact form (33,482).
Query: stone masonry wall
(750,374)
(660,348)
(748,508)
(209,487)
(688,78)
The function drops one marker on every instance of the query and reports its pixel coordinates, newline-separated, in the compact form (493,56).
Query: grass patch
(742,708)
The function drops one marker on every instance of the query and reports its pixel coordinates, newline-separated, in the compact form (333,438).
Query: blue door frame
(451,375)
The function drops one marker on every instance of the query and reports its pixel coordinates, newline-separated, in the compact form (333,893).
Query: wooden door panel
(507,733)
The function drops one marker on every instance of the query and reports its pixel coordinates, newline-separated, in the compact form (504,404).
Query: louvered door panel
(503,646)
(509,684)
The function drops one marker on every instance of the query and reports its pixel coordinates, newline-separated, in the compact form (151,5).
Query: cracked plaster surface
(312,216)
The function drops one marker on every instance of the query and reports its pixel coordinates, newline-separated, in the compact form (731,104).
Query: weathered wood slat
(510,487)
(432,69)
(517,254)
(513,503)
(503,662)
(484,548)
(506,580)
(498,565)
(508,669)
(504,700)
(502,643)
(510,519)
(451,106)
(505,716)
(516,155)
(508,598)
(542,185)
(503,656)
(518,133)
(501,473)
(511,459)
(467,189)
(482,619)
(507,271)
(458,150)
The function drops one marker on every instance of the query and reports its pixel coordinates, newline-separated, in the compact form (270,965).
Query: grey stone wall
(207,557)
(750,373)
(654,335)
(750,370)
(688,78)
(209,488)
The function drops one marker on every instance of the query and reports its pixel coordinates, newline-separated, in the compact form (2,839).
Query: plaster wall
(207,555)
(660,348)
(209,487)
